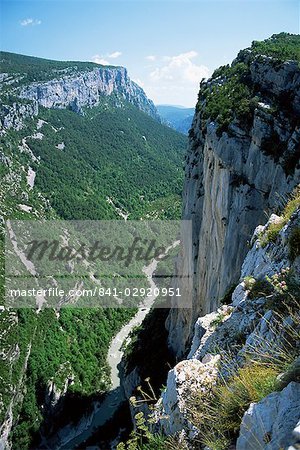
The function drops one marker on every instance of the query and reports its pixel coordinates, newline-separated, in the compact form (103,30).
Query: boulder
(269,424)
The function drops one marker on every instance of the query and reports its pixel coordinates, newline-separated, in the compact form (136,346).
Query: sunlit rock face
(221,345)
(232,180)
(76,90)
(272,423)
(87,89)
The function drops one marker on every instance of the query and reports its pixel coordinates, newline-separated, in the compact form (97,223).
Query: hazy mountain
(177,117)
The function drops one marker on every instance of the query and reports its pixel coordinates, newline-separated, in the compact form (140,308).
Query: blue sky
(167,45)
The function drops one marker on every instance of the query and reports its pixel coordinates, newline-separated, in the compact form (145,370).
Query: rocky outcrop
(88,88)
(13,116)
(256,324)
(269,424)
(283,79)
(186,378)
(296,436)
(74,89)
(232,178)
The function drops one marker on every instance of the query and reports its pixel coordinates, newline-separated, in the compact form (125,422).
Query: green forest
(40,69)
(120,153)
(113,159)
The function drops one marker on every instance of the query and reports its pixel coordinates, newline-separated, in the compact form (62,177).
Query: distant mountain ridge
(74,85)
(178,117)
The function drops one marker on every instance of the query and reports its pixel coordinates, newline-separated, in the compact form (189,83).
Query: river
(72,436)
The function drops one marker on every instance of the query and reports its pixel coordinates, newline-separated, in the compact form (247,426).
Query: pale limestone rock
(187,377)
(278,80)
(237,330)
(230,181)
(40,124)
(54,394)
(204,328)
(266,261)
(38,136)
(269,424)
(13,116)
(25,208)
(86,89)
(240,294)
(296,438)
(75,91)
(60,146)
(30,178)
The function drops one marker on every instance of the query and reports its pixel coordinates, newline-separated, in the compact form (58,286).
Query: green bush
(218,415)
(282,46)
(228,98)
(143,439)
(274,228)
(294,243)
(258,288)
(230,94)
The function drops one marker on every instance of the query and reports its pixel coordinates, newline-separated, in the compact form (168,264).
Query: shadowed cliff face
(235,173)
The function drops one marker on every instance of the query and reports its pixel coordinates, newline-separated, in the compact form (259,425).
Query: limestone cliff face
(257,325)
(87,88)
(12,116)
(232,179)
(74,89)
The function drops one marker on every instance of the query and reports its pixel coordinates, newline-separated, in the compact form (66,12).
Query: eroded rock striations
(87,89)
(235,172)
(273,417)
(13,116)
(75,91)
(260,325)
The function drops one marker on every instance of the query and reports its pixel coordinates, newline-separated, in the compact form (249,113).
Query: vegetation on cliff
(31,68)
(289,209)
(113,162)
(282,46)
(230,95)
(253,345)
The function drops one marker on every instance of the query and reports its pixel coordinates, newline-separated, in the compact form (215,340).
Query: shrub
(218,320)
(258,288)
(289,209)
(219,415)
(227,98)
(231,95)
(143,439)
(273,232)
(286,295)
(294,244)
(282,46)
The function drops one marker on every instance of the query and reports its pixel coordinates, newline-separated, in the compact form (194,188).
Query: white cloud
(151,58)
(100,60)
(180,67)
(103,60)
(114,55)
(175,79)
(138,81)
(30,22)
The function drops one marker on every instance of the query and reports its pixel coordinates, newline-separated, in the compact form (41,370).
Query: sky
(168,46)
